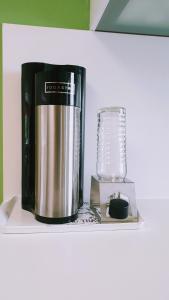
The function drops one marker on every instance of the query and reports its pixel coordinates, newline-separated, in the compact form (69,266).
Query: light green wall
(1,123)
(55,13)
(50,13)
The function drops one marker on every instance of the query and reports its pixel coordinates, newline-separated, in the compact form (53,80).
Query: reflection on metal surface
(57,160)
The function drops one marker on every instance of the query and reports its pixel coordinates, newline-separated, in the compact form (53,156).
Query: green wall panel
(50,13)
(1,123)
(55,13)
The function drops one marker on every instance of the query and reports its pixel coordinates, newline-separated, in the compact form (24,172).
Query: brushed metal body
(57,160)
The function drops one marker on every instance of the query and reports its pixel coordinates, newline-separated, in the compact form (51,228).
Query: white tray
(13,219)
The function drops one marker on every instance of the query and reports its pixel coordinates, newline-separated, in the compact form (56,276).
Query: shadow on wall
(12,134)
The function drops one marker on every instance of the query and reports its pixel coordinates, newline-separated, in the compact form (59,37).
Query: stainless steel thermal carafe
(65,86)
(57,146)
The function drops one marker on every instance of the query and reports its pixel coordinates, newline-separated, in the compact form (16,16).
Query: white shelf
(150,17)
(97,8)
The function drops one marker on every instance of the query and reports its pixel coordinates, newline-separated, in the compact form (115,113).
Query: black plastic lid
(60,86)
(118,208)
(41,66)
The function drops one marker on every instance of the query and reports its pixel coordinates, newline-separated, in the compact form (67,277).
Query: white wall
(126,70)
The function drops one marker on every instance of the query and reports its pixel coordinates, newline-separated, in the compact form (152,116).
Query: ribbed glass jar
(111,144)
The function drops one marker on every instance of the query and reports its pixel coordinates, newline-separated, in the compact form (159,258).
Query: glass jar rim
(118,109)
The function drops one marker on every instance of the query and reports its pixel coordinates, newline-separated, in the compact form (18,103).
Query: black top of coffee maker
(29,71)
(59,86)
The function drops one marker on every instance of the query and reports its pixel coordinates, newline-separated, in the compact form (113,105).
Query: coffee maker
(53,123)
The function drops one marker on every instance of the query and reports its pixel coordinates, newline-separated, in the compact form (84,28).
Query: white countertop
(131,264)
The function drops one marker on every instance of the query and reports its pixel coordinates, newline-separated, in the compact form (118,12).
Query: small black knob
(118,208)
